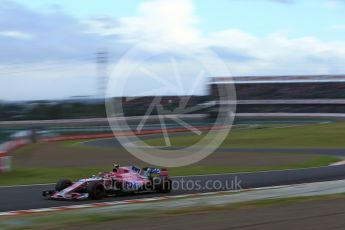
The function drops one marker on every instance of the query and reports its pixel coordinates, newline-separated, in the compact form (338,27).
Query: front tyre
(62,184)
(95,190)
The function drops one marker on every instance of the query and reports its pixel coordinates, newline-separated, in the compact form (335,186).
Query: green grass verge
(23,176)
(314,136)
(78,219)
(309,136)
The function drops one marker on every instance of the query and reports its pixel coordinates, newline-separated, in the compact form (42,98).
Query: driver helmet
(116,167)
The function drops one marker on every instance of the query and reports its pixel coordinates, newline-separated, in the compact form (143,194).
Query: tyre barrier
(5,162)
(127,133)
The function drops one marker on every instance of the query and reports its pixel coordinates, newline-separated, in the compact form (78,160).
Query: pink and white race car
(121,180)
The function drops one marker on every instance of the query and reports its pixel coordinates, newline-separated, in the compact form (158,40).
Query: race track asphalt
(14,198)
(29,197)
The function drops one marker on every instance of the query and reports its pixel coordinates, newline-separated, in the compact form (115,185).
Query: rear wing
(161,172)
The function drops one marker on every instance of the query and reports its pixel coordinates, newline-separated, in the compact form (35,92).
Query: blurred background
(57,56)
(280,62)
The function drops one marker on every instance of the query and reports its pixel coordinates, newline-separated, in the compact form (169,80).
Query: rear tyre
(95,190)
(161,184)
(62,184)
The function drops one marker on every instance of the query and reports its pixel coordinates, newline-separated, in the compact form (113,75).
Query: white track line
(123,202)
(137,201)
(25,185)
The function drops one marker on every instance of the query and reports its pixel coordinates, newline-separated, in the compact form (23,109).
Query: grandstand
(315,93)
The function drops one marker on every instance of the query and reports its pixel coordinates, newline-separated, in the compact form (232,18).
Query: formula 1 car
(121,180)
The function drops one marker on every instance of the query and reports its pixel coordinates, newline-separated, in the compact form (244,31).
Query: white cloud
(158,22)
(164,25)
(279,54)
(168,23)
(16,34)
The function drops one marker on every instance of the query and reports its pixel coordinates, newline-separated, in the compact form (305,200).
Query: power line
(18,69)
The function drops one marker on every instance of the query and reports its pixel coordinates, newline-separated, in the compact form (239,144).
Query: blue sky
(55,40)
(260,17)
